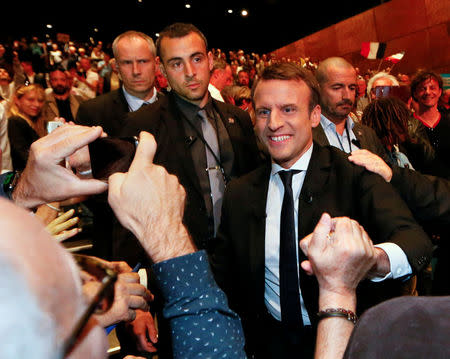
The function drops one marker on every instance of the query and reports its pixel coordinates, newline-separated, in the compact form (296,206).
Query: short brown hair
(421,76)
(291,71)
(176,30)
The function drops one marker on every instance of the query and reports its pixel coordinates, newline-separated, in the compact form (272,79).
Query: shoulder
(102,100)
(253,178)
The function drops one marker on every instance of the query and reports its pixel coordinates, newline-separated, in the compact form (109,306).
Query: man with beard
(60,102)
(337,81)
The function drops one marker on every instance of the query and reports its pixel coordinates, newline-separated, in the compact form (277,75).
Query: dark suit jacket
(366,137)
(108,110)
(332,184)
(163,120)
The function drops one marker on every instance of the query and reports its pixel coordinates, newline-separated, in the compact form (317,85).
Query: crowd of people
(270,203)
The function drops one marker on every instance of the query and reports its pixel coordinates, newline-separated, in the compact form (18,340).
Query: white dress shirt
(399,262)
(134,103)
(272,240)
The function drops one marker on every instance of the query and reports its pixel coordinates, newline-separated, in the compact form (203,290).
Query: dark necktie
(289,293)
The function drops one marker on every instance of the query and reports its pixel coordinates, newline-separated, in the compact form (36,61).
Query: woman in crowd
(26,122)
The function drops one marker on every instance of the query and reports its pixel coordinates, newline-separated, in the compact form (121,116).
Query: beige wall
(419,27)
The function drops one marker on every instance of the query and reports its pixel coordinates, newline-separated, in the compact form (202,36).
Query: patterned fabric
(203,326)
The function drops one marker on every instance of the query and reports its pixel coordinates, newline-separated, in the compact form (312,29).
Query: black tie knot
(286,177)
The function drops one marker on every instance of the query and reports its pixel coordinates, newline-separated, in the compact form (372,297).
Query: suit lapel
(173,121)
(319,135)
(316,179)
(257,225)
(231,123)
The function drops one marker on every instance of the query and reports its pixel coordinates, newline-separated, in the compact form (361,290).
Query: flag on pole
(396,57)
(373,50)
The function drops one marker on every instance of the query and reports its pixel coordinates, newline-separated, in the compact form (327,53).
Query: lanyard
(348,139)
(219,166)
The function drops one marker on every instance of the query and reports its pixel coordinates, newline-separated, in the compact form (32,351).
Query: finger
(152,332)
(304,244)
(67,234)
(63,217)
(75,140)
(144,344)
(145,151)
(84,187)
(307,267)
(129,278)
(343,229)
(66,225)
(321,232)
(137,302)
(121,267)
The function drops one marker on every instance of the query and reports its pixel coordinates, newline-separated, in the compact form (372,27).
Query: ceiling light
(244,12)
(49,26)
(230,11)
(188,6)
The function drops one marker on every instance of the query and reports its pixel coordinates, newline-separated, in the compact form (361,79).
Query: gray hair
(133,35)
(381,75)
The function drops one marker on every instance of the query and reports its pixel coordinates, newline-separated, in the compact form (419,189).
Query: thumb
(321,231)
(145,151)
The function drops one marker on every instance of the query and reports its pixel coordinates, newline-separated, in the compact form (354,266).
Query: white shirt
(343,142)
(272,240)
(399,262)
(134,103)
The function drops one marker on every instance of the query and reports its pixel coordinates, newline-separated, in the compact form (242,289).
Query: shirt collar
(301,164)
(134,103)
(189,109)
(326,123)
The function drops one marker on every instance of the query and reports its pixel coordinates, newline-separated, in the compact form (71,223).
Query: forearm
(333,333)
(197,308)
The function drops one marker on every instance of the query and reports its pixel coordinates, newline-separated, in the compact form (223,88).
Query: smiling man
(267,211)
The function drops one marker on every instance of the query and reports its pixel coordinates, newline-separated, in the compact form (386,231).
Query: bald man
(337,81)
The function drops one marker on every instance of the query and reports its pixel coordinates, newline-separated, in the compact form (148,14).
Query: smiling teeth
(279,138)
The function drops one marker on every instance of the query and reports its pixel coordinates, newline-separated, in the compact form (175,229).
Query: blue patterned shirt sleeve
(203,326)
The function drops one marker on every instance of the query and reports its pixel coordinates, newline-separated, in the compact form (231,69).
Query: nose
(275,122)
(189,70)
(347,93)
(136,69)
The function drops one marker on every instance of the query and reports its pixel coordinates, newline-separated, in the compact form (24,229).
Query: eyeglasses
(100,303)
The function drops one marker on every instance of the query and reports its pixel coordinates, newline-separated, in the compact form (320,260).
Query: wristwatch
(10,183)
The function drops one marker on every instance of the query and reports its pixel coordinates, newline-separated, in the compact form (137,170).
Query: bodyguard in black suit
(205,143)
(180,132)
(246,262)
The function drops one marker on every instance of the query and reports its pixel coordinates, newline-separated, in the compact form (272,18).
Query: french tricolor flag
(373,50)
(396,57)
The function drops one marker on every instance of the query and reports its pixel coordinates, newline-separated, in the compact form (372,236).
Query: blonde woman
(26,123)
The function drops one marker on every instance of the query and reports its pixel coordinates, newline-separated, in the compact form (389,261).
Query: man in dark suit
(337,81)
(205,143)
(184,148)
(135,55)
(250,258)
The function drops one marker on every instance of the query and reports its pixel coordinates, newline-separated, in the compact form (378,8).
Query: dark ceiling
(270,24)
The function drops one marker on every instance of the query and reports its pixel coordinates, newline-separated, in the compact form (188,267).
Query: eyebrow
(177,58)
